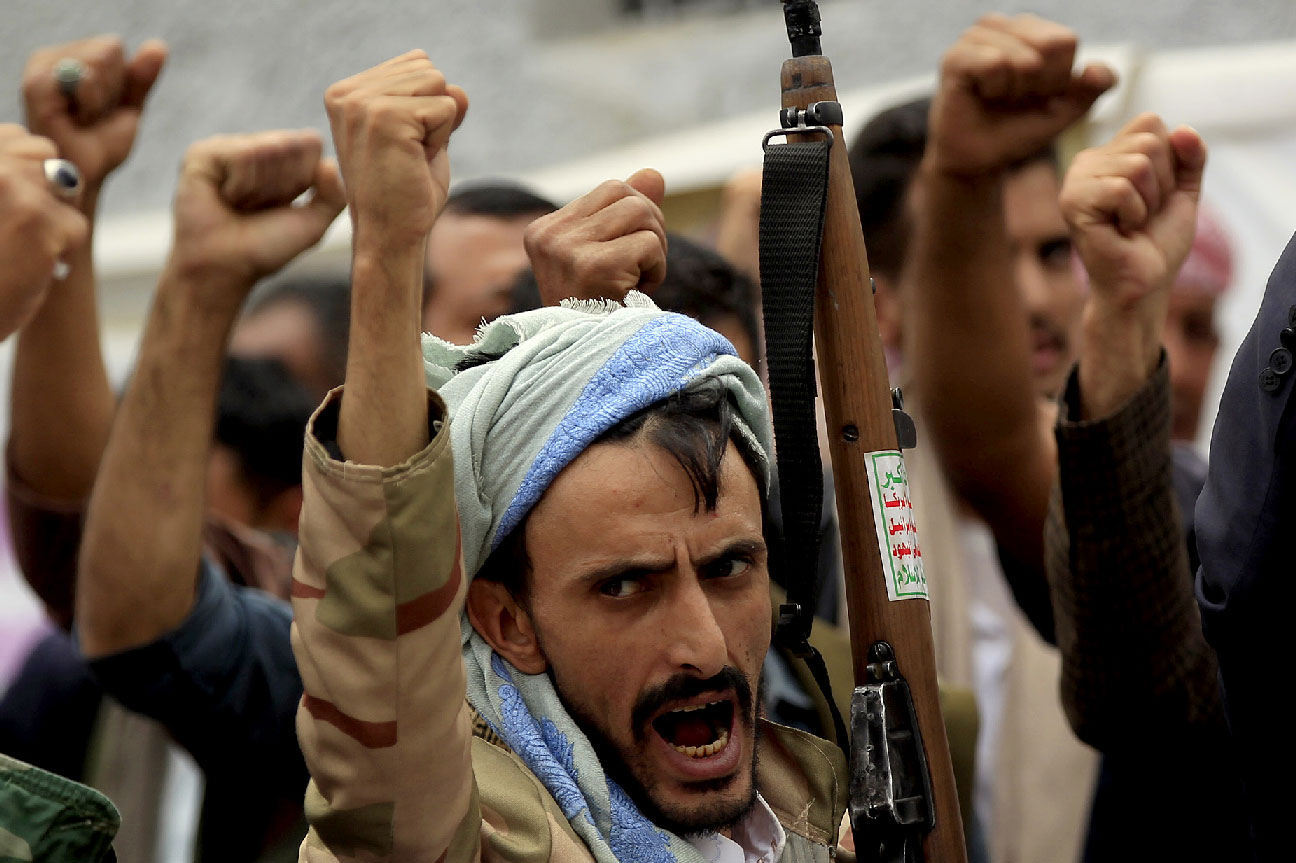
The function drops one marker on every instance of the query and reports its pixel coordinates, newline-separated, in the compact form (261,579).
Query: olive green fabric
(48,819)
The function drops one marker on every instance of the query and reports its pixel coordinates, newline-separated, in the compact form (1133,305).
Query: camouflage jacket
(401,766)
(49,819)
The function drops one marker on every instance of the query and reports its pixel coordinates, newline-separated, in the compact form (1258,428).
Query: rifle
(903,803)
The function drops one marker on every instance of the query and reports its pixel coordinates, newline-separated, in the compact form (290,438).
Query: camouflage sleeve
(377,588)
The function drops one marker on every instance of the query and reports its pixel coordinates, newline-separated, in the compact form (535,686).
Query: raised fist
(37,229)
(604,244)
(237,218)
(1132,208)
(391,125)
(94,124)
(1006,90)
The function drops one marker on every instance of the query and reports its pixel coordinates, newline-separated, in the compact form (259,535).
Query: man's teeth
(708,750)
(698,707)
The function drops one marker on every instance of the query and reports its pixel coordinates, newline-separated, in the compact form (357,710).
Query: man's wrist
(1119,350)
(939,166)
(208,288)
(391,269)
(89,203)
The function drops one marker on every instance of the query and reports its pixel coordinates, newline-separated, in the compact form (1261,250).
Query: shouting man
(591,479)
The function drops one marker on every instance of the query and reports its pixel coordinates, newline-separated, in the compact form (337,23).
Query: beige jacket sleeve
(377,589)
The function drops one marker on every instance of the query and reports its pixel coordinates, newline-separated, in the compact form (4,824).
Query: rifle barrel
(858,405)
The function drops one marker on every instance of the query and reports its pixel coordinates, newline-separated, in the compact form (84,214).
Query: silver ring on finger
(69,73)
(63,179)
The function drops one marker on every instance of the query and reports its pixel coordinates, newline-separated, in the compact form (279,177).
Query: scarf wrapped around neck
(535,391)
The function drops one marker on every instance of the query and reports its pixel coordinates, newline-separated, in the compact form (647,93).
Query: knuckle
(1152,122)
(1140,167)
(543,235)
(111,50)
(611,187)
(1121,190)
(1145,143)
(199,152)
(533,234)
(641,209)
(337,96)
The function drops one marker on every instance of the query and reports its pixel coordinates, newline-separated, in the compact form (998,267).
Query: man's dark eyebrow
(749,547)
(746,547)
(627,569)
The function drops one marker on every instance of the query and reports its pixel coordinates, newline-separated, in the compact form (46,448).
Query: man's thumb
(1190,159)
(648,183)
(142,72)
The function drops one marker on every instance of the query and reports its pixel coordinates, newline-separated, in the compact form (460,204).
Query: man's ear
(500,619)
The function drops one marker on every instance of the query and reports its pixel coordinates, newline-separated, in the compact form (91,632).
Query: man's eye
(619,588)
(1056,253)
(1200,329)
(730,567)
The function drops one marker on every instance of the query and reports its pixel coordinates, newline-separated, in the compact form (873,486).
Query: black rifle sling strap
(793,195)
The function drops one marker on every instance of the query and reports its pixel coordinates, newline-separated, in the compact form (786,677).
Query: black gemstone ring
(63,178)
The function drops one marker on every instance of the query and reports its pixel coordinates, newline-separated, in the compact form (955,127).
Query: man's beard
(693,817)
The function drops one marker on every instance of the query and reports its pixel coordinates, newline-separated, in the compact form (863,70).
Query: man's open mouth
(697,730)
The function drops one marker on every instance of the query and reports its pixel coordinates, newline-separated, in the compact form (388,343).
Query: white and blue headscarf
(563,377)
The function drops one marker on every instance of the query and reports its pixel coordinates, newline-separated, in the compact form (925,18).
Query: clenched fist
(1132,208)
(36,228)
(95,127)
(391,125)
(236,219)
(604,244)
(1006,90)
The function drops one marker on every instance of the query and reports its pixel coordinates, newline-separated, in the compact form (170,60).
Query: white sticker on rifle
(893,517)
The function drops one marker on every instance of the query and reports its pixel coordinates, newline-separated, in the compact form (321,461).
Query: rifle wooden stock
(857,399)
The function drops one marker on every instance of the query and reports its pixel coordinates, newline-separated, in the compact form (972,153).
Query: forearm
(383,418)
(61,404)
(143,531)
(967,349)
(1127,624)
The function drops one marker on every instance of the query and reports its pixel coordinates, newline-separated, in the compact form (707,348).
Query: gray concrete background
(540,94)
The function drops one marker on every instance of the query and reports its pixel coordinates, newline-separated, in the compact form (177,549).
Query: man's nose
(1032,285)
(695,639)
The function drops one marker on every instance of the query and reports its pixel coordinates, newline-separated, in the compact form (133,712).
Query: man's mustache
(683,686)
(1041,326)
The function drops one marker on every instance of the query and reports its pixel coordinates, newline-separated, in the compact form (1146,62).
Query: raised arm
(61,405)
(378,583)
(1117,562)
(391,125)
(235,223)
(1006,91)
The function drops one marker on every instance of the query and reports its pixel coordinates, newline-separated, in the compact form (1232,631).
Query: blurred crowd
(1106,606)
